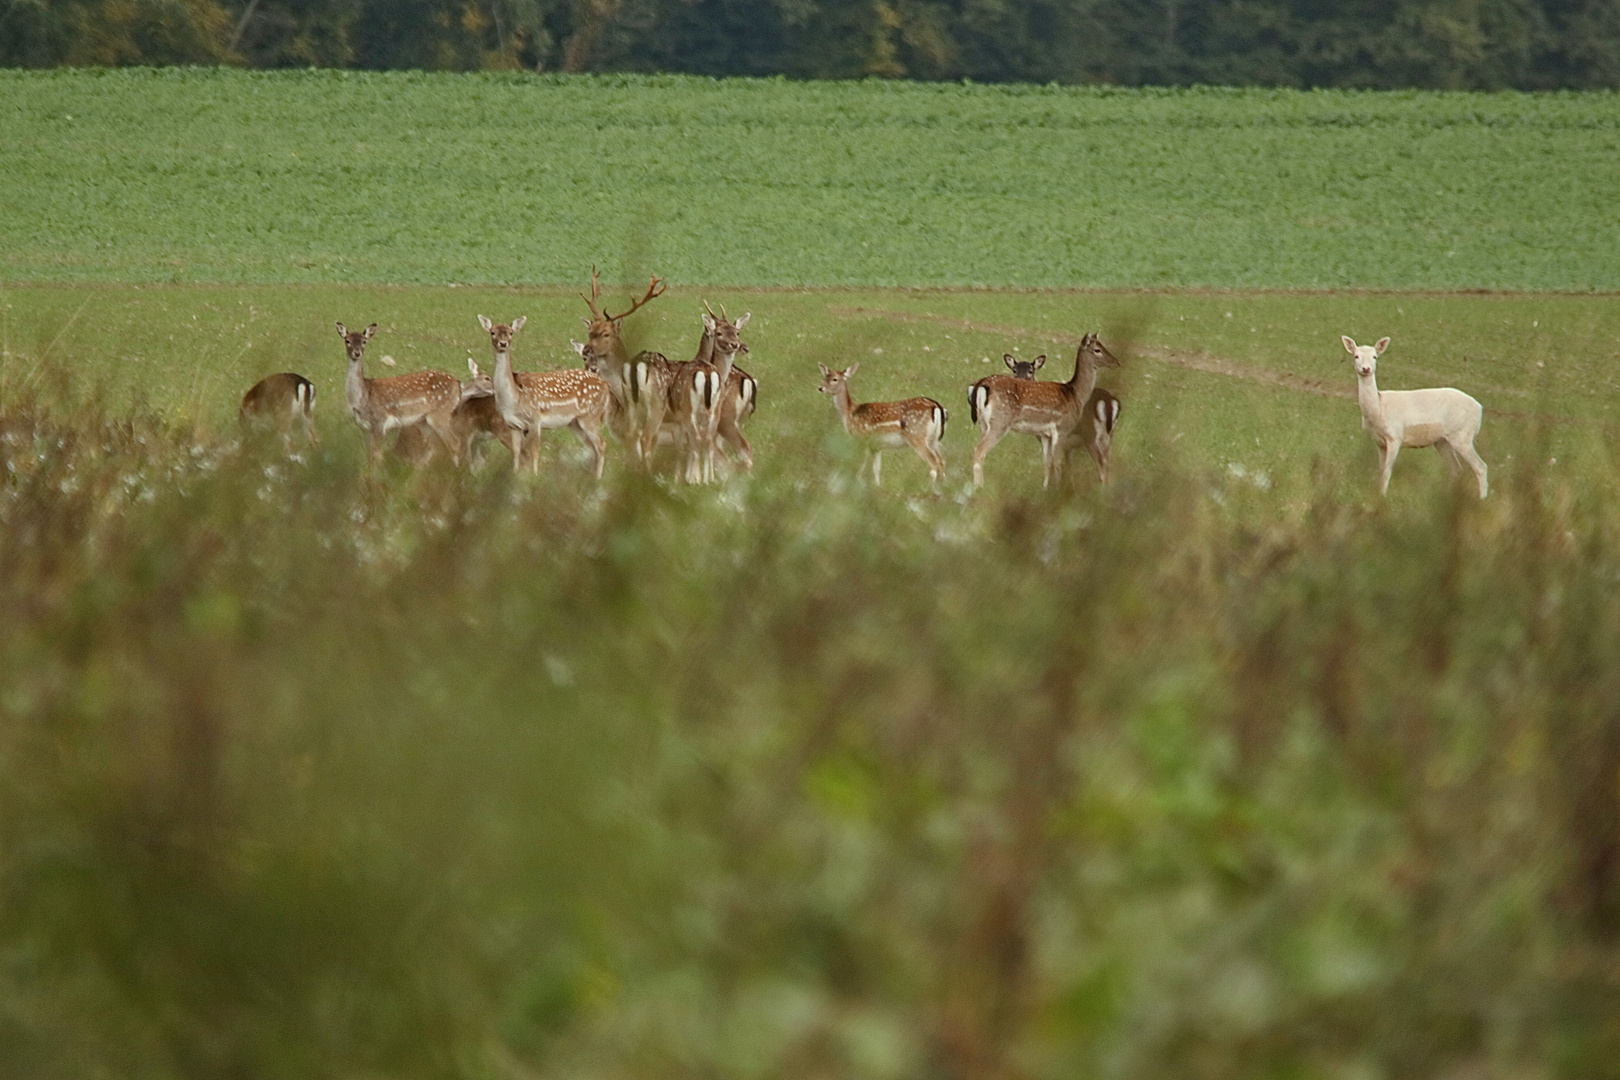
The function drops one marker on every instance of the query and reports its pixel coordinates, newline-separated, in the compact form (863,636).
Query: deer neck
(1372,406)
(844,402)
(1084,379)
(722,362)
(505,386)
(357,387)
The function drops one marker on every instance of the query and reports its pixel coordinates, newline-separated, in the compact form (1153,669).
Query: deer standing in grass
(280,401)
(480,414)
(1050,411)
(532,401)
(605,340)
(1095,432)
(382,405)
(1444,418)
(917,422)
(695,404)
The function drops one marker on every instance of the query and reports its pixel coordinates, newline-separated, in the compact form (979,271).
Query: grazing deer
(532,401)
(999,404)
(279,401)
(382,405)
(917,422)
(478,413)
(603,336)
(1444,418)
(1095,432)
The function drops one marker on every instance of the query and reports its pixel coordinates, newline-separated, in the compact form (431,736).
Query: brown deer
(280,401)
(604,337)
(479,414)
(917,422)
(695,404)
(533,401)
(1095,432)
(382,405)
(1048,410)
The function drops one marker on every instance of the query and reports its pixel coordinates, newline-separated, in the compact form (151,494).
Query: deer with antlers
(1050,411)
(695,404)
(382,405)
(917,422)
(614,362)
(533,401)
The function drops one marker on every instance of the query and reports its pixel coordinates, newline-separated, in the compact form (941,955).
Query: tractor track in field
(1203,362)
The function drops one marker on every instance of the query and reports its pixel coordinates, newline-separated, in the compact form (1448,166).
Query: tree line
(1462,44)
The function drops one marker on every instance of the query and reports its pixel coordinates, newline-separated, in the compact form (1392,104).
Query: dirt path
(1207,363)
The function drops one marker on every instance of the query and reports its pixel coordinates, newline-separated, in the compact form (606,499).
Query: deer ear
(1040,360)
(1378,349)
(343,330)
(852,369)
(1349,344)
(579,346)
(588,323)
(483,321)
(1006,358)
(825,371)
(708,322)
(517,323)
(742,322)
(372,329)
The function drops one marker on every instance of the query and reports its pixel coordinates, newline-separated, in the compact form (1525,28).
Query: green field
(313,767)
(179,175)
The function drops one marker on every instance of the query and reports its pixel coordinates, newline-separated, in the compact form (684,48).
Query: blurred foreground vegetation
(309,769)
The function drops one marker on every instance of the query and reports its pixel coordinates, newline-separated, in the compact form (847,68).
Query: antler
(596,294)
(655,289)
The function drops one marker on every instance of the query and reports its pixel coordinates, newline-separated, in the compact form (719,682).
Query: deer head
(501,334)
(603,327)
(354,343)
(1093,351)
(1365,357)
(832,379)
(724,332)
(1023,369)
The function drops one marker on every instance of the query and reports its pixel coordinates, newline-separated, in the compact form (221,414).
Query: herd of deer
(699,406)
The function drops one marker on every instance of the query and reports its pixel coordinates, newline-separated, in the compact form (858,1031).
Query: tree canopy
(1460,44)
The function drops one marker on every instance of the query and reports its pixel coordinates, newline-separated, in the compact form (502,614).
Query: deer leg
(1051,459)
(1099,453)
(731,432)
(992,434)
(1467,452)
(440,425)
(1449,456)
(592,438)
(1391,449)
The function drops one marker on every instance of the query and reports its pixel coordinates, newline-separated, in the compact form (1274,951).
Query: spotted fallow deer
(479,414)
(533,401)
(917,422)
(696,404)
(613,359)
(279,401)
(382,405)
(1048,410)
(1444,418)
(1095,432)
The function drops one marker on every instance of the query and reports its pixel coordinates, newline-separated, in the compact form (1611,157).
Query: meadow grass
(337,176)
(312,766)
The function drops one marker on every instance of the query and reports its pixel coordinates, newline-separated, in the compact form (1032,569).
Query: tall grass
(309,768)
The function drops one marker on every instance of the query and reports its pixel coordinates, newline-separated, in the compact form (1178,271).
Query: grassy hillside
(225,176)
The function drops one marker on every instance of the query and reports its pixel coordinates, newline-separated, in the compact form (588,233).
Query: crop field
(347,177)
(317,766)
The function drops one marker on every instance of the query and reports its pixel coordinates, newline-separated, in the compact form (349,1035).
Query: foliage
(312,769)
(340,176)
(1526,44)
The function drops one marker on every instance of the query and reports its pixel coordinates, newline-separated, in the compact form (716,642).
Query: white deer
(1444,418)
